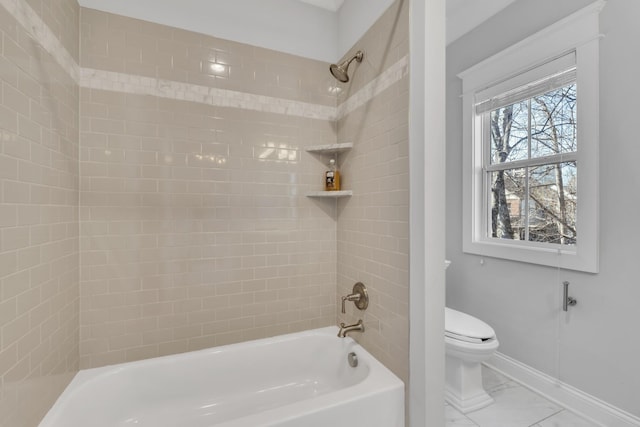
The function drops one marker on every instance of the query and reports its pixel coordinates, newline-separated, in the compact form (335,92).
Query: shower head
(339,71)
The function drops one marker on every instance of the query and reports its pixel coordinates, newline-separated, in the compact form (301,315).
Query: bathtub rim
(379,380)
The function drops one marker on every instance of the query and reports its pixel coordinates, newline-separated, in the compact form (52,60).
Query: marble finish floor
(514,406)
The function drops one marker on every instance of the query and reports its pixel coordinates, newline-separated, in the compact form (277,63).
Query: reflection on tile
(565,419)
(514,406)
(453,418)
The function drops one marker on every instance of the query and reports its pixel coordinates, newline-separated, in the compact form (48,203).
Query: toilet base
(463,385)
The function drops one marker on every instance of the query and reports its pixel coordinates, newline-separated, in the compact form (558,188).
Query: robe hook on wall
(566,299)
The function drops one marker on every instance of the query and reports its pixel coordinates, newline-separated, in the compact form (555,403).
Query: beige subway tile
(14,329)
(14,238)
(123,342)
(157,309)
(18,372)
(107,358)
(140,353)
(201,343)
(13,284)
(172,321)
(15,100)
(187,332)
(174,347)
(157,336)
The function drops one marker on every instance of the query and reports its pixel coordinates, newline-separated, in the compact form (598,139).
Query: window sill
(569,258)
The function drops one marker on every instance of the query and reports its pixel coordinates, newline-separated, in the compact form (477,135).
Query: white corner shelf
(330,194)
(330,148)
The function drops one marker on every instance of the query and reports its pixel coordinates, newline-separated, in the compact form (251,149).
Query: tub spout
(345,329)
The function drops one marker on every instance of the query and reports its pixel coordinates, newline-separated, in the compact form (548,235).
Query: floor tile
(454,418)
(514,406)
(492,379)
(564,419)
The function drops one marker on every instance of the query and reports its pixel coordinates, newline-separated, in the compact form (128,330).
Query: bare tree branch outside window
(538,202)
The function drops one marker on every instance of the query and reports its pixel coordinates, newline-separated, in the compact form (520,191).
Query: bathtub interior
(220,385)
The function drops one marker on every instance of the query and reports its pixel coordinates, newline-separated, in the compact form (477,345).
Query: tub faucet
(345,329)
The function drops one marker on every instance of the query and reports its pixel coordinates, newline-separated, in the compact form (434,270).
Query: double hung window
(530,150)
(531,146)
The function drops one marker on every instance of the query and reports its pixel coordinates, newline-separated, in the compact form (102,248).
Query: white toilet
(468,342)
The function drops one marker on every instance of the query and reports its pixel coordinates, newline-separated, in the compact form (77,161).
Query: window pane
(509,133)
(552,203)
(507,212)
(553,122)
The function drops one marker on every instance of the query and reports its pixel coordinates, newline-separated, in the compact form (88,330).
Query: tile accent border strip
(42,34)
(139,85)
(375,87)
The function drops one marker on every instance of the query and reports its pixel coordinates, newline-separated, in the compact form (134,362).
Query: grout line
(546,418)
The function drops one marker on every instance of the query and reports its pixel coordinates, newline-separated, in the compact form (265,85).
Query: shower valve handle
(351,297)
(359,296)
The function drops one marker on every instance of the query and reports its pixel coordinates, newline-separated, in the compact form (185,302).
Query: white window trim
(578,32)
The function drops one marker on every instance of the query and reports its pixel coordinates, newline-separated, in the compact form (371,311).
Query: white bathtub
(301,380)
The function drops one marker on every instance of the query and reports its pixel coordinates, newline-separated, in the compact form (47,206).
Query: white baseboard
(583,404)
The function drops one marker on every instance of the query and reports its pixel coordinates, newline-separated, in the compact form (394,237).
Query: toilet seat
(463,338)
(463,327)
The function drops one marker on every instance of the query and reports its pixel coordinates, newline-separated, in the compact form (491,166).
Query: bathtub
(295,380)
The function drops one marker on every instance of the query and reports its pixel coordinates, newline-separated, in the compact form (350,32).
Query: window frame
(509,69)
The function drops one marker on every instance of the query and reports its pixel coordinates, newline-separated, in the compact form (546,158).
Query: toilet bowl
(468,342)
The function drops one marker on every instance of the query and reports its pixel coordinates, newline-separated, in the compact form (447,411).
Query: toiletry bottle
(332,177)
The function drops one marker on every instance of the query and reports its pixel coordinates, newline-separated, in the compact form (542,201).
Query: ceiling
(462,15)
(332,5)
(465,15)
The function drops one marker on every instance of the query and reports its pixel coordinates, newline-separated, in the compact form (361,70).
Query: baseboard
(583,404)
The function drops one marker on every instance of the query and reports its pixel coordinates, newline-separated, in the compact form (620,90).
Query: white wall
(285,25)
(354,19)
(595,346)
(427,214)
(463,15)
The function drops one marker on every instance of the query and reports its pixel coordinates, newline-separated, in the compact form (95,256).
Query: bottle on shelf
(332,177)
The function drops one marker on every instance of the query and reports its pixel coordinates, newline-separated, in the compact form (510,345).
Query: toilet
(468,342)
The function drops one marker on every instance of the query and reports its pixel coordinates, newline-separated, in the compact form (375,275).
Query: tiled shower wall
(39,275)
(195,228)
(373,226)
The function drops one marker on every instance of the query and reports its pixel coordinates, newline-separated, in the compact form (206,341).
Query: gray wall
(595,347)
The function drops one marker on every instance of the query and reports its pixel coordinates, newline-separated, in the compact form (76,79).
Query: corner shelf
(335,150)
(330,148)
(330,194)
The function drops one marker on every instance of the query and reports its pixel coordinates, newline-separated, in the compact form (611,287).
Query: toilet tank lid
(463,324)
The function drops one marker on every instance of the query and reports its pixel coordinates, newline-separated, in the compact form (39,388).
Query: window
(530,135)
(530,139)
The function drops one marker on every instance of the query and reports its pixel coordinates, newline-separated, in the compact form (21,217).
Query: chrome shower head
(340,71)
